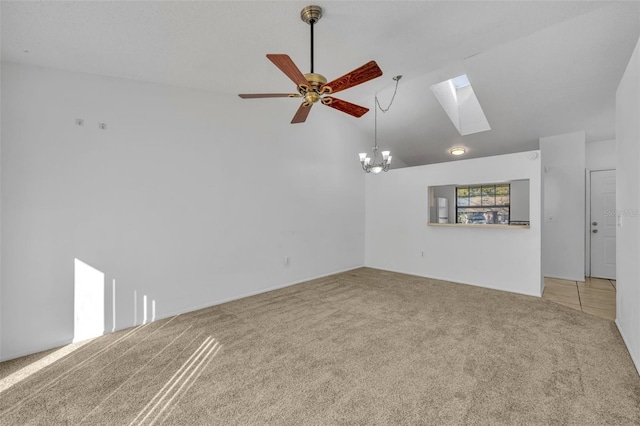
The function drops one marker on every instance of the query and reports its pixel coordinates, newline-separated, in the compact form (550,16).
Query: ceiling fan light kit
(313,87)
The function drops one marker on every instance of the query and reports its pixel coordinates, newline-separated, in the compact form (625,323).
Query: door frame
(587,215)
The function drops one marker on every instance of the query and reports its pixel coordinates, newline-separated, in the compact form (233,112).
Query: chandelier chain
(378,106)
(374,164)
(397,79)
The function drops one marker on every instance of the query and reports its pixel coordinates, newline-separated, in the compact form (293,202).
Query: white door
(603,224)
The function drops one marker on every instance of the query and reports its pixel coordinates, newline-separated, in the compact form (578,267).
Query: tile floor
(595,296)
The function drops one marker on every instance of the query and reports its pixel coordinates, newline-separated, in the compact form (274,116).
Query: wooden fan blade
(269,95)
(287,66)
(344,106)
(360,75)
(302,113)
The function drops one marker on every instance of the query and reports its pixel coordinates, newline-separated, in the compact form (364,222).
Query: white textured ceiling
(538,68)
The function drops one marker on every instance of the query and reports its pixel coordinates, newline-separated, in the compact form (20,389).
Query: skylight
(460,103)
(461,81)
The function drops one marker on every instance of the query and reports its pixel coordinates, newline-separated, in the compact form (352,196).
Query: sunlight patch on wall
(460,103)
(144,309)
(146,318)
(113,305)
(88,301)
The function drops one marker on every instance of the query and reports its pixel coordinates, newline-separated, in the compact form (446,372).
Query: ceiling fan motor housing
(316,81)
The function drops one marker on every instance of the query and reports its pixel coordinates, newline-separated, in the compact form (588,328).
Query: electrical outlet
(422,254)
(286,260)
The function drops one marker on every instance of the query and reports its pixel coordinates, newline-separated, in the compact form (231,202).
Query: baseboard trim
(635,361)
(35,350)
(253,293)
(580,279)
(455,281)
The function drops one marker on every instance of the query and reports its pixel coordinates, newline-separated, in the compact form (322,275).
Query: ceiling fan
(313,87)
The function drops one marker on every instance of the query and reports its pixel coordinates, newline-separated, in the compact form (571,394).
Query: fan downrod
(311,15)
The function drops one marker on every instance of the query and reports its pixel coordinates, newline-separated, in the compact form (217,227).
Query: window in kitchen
(483,204)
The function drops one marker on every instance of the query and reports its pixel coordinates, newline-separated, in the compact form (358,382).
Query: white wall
(628,206)
(1,215)
(563,246)
(397,232)
(601,155)
(188,197)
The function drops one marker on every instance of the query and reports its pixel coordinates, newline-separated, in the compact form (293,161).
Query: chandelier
(378,162)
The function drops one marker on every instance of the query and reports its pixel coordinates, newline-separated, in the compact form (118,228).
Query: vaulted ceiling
(537,68)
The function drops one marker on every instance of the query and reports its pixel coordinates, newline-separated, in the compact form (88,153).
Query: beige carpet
(362,347)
